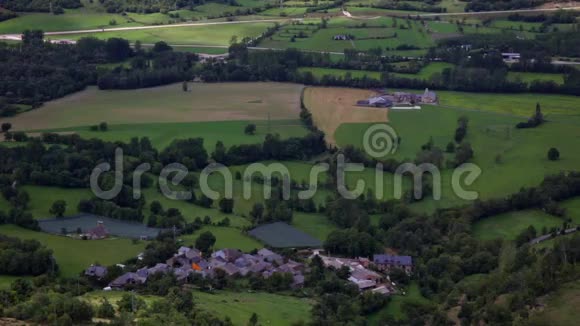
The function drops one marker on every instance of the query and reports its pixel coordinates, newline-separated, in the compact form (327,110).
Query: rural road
(549,236)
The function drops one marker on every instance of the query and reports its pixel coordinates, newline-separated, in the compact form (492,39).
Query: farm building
(386,262)
(282,235)
(400,98)
(96,271)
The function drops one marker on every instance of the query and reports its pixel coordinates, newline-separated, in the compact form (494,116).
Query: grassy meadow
(529,77)
(226,237)
(500,149)
(507,226)
(203,102)
(427,72)
(162,134)
(272,309)
(561,306)
(73,256)
(395,306)
(188,35)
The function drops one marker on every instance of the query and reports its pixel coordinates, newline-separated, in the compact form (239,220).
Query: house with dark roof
(228,255)
(127,279)
(385,262)
(96,271)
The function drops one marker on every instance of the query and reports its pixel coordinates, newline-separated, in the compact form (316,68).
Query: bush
(553,154)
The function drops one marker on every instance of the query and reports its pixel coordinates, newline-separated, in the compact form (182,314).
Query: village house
(386,262)
(96,271)
(127,279)
(364,278)
(188,261)
(97,233)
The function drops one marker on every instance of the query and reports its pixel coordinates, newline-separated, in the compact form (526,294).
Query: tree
(250,129)
(156,207)
(106,309)
(257,212)
(6,126)
(103,126)
(58,208)
(219,154)
(253,320)
(553,154)
(450,147)
(131,303)
(226,205)
(161,47)
(205,241)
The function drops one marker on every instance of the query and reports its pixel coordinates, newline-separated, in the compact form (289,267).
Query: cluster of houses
(368,275)
(188,261)
(400,100)
(366,278)
(342,37)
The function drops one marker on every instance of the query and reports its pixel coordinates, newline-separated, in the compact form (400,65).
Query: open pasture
(272,309)
(204,102)
(226,237)
(529,77)
(500,149)
(189,35)
(366,35)
(507,226)
(561,306)
(73,256)
(162,134)
(425,73)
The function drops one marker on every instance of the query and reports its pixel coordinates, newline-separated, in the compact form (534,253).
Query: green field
(377,33)
(316,225)
(572,207)
(561,306)
(74,19)
(508,226)
(272,309)
(529,77)
(500,149)
(93,15)
(190,35)
(520,104)
(41,199)
(226,237)
(73,256)
(162,134)
(395,306)
(234,103)
(427,72)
